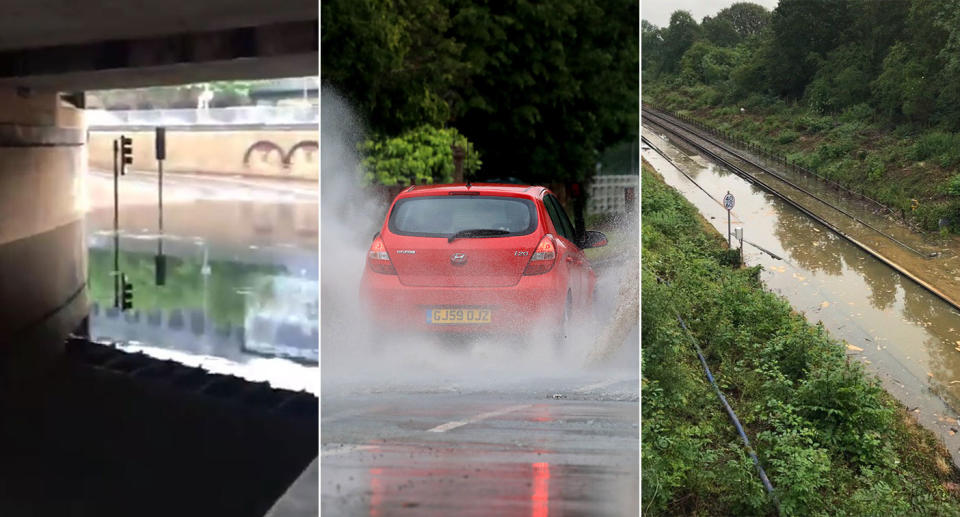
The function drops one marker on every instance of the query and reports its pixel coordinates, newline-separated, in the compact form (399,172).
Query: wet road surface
(904,334)
(535,447)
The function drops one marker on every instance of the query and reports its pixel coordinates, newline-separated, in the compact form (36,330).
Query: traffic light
(126,153)
(160,143)
(126,295)
(160,261)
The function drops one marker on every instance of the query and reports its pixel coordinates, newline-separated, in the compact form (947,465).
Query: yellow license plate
(458,316)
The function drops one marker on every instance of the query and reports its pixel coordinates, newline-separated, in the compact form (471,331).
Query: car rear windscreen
(443,216)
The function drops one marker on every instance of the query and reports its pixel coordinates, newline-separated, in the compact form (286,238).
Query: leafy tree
(554,83)
(877,26)
(421,155)
(747,19)
(750,74)
(679,36)
(651,44)
(899,91)
(540,86)
(912,75)
(804,31)
(720,31)
(842,80)
(392,59)
(707,64)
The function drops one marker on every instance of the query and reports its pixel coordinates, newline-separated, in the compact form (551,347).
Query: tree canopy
(901,58)
(540,87)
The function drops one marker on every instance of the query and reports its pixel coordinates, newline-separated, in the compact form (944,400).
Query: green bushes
(943,148)
(421,155)
(831,440)
(953,186)
(787,136)
(874,167)
(811,123)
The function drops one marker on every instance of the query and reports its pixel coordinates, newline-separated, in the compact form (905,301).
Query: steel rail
(875,254)
(780,178)
(783,159)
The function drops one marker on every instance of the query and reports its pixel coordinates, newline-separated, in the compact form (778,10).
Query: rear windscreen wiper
(477,232)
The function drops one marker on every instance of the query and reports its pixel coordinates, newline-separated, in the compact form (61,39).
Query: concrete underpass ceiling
(66,45)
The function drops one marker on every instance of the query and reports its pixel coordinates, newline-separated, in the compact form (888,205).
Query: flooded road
(240,290)
(413,424)
(902,333)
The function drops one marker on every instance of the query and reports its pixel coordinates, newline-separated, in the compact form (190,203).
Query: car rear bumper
(534,302)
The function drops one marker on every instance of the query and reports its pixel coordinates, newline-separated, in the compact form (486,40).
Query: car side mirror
(593,240)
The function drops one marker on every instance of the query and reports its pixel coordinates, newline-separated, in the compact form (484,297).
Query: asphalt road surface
(538,447)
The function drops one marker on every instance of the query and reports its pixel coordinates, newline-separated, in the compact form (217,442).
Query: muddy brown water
(943,271)
(903,334)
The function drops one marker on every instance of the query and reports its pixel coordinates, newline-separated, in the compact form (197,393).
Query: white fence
(608,193)
(240,115)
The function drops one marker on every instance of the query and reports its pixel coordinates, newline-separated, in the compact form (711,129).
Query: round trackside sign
(728,201)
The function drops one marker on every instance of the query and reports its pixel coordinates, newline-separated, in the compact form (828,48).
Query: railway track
(788,191)
(678,129)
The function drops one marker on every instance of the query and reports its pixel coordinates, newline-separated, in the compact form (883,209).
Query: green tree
(719,31)
(651,45)
(842,80)
(747,19)
(678,37)
(554,83)
(707,64)
(913,73)
(804,31)
(422,155)
(393,60)
(539,86)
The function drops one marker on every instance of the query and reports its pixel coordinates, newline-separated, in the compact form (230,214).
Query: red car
(486,258)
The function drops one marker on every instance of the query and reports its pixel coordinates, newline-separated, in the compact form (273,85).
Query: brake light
(378,259)
(543,258)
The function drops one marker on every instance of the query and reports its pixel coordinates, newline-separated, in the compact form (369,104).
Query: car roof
(482,188)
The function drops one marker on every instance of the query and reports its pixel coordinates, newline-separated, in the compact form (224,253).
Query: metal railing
(608,193)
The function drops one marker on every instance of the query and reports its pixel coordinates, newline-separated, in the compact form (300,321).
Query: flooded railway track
(903,333)
(791,193)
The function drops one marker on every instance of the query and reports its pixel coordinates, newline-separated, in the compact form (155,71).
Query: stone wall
(276,153)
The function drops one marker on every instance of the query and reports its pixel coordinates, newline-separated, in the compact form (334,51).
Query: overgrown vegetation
(832,441)
(865,92)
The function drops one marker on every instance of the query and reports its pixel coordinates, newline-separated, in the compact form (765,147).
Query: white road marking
(346,449)
(597,386)
(483,416)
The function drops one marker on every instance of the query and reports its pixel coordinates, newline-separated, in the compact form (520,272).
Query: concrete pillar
(43,259)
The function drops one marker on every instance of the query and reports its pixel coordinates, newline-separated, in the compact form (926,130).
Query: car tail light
(543,258)
(378,259)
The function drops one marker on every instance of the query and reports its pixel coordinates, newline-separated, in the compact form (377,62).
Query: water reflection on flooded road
(240,292)
(902,332)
